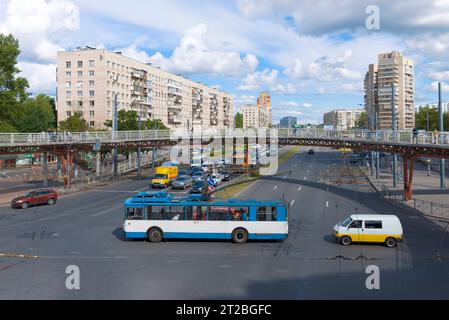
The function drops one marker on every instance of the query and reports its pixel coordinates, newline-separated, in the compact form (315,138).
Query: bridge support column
(67,162)
(45,169)
(408,178)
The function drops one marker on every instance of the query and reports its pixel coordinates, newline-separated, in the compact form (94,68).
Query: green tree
(239,120)
(421,119)
(75,123)
(35,115)
(129,121)
(150,125)
(362,121)
(12,87)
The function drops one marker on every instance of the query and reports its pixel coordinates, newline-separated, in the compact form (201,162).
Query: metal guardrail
(404,137)
(429,208)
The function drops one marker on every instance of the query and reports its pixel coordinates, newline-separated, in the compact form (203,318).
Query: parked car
(199,187)
(35,198)
(311,151)
(199,176)
(227,176)
(182,182)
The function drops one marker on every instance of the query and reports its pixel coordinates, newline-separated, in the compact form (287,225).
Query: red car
(35,198)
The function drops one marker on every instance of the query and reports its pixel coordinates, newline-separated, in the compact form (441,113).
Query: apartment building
(393,69)
(255,117)
(264,102)
(89,79)
(342,119)
(288,122)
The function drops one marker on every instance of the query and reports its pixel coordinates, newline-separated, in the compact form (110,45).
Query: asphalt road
(85,230)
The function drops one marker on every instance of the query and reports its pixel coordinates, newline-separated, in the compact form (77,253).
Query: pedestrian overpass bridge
(410,146)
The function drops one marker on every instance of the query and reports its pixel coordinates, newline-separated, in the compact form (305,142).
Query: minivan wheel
(25,205)
(391,242)
(51,202)
(155,235)
(346,240)
(240,236)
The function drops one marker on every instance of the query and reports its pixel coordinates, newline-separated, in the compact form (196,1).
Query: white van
(385,229)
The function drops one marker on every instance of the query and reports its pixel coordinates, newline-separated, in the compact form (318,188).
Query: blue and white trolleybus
(158,216)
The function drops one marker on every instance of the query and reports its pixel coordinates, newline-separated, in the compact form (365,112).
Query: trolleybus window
(239,213)
(134,214)
(196,213)
(219,213)
(266,214)
(165,213)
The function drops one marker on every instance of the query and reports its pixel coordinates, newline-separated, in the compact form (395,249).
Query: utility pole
(394,125)
(139,165)
(377,153)
(114,131)
(429,161)
(154,148)
(442,162)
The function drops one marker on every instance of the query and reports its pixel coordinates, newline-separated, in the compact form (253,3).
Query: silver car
(183,183)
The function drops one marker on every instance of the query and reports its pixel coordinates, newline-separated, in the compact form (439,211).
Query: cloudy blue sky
(311,55)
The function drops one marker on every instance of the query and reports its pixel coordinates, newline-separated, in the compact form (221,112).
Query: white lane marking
(275,188)
(299,189)
(291,204)
(308,171)
(327,204)
(305,178)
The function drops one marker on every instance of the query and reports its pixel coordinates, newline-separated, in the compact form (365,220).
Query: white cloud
(353,86)
(260,79)
(289,104)
(41,77)
(307,105)
(433,87)
(439,76)
(192,55)
(246,99)
(33,22)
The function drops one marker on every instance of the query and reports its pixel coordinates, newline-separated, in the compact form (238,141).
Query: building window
(80,64)
(80,74)
(92,124)
(80,104)
(92,93)
(68,74)
(69,113)
(91,73)
(68,94)
(68,84)
(79,84)
(91,83)
(92,103)
(91,63)
(68,64)
(80,93)
(92,113)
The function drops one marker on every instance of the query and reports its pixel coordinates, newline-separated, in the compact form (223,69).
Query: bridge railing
(406,137)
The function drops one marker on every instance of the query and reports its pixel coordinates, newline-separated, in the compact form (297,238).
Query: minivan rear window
(373,224)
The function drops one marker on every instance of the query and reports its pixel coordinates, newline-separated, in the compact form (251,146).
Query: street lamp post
(139,167)
(394,125)
(115,127)
(441,118)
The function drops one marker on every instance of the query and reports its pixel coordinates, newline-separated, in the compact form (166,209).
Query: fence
(407,137)
(429,208)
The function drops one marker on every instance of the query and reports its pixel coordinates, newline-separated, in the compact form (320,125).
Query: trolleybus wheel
(155,235)
(240,236)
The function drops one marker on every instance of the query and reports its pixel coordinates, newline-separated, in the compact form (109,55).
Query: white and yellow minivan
(385,229)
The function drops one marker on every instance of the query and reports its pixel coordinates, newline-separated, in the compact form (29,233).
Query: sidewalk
(428,197)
